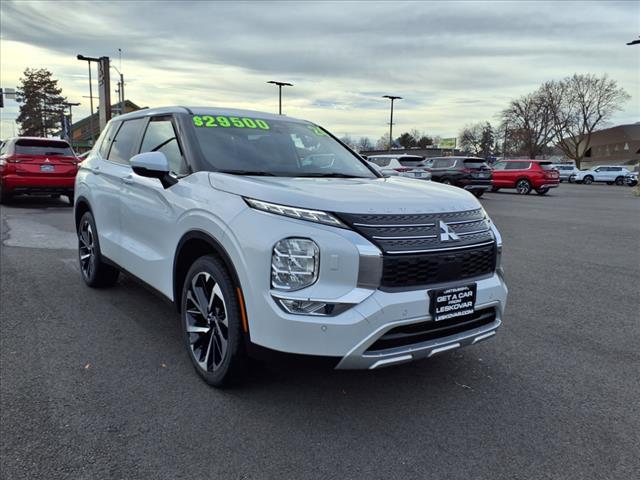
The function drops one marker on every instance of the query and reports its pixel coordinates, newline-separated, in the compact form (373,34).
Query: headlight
(294,264)
(316,216)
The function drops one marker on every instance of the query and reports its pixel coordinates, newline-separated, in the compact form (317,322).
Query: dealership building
(614,146)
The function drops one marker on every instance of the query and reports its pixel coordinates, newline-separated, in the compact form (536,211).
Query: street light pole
(280,85)
(392,98)
(89,60)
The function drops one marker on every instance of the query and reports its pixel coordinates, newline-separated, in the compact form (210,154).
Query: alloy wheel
(86,248)
(206,322)
(523,187)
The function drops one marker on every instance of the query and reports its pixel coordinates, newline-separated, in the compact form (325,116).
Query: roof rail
(187,109)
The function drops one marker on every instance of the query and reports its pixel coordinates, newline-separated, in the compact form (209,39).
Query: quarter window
(126,141)
(106,138)
(160,136)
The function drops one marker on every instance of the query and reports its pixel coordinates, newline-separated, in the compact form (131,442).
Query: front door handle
(128,180)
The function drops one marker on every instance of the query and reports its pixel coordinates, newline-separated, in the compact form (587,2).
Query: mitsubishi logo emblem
(46,160)
(446,234)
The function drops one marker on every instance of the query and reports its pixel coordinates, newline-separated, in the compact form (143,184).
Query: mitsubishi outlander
(267,232)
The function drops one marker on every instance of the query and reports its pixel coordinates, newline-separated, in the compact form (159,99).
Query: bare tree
(577,105)
(346,139)
(529,122)
(383,142)
(364,144)
(471,138)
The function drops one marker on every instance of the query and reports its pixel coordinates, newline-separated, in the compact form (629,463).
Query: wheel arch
(82,206)
(193,245)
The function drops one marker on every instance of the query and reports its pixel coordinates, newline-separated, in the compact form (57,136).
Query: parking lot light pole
(392,98)
(280,85)
(89,60)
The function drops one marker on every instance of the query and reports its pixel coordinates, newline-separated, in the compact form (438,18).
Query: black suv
(470,173)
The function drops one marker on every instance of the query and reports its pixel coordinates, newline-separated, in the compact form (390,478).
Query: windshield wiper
(257,173)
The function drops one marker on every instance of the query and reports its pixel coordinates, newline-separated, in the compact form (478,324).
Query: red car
(525,175)
(30,165)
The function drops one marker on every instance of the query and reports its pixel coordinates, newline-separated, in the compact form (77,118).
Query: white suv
(266,231)
(602,173)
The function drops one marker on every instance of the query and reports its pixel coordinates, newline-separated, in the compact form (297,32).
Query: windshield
(43,147)
(254,146)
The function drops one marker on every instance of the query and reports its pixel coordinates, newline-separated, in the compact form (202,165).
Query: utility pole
(280,85)
(392,98)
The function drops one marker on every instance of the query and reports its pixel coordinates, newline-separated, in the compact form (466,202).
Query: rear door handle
(127,180)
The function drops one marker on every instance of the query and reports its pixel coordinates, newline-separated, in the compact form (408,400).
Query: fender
(214,245)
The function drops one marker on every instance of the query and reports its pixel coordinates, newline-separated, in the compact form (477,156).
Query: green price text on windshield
(317,130)
(210,121)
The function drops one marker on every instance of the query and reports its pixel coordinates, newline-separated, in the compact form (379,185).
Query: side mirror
(153,165)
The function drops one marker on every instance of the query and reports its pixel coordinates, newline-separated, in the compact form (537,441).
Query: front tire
(446,181)
(542,191)
(495,189)
(95,272)
(620,181)
(523,187)
(588,180)
(478,193)
(70,197)
(211,323)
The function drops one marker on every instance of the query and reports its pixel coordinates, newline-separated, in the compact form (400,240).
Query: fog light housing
(306,307)
(294,264)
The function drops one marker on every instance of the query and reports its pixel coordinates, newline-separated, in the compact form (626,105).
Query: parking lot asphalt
(97,384)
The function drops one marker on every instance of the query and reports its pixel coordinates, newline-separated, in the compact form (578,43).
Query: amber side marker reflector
(243,313)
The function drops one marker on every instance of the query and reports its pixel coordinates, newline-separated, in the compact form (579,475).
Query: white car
(265,231)
(602,173)
(567,171)
(412,166)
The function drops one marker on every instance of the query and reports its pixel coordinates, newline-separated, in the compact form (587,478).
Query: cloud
(453,63)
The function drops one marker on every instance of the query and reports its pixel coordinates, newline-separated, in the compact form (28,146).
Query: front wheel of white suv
(95,272)
(211,323)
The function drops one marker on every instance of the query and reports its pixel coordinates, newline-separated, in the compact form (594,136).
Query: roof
(207,111)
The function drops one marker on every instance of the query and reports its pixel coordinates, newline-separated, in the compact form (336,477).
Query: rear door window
(500,166)
(546,165)
(42,147)
(126,141)
(443,163)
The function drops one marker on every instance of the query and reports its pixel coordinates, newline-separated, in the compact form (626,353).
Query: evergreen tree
(41,103)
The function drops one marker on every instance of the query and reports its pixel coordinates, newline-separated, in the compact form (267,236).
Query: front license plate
(450,303)
(47,168)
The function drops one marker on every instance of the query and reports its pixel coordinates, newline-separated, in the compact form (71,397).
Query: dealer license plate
(47,168)
(450,303)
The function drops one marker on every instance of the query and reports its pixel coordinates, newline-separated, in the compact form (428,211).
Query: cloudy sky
(453,62)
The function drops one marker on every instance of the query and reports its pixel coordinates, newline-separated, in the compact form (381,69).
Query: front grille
(424,331)
(410,233)
(417,270)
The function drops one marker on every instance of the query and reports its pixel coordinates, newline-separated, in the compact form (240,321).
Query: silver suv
(266,231)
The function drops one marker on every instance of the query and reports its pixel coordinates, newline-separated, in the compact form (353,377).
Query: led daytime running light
(316,216)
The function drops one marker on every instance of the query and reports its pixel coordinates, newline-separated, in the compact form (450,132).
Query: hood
(393,195)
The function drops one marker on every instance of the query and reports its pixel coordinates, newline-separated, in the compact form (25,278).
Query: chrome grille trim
(474,245)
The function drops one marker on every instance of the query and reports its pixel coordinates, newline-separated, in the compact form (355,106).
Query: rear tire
(95,272)
(478,193)
(588,180)
(495,189)
(71,198)
(212,323)
(523,187)
(609,183)
(446,181)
